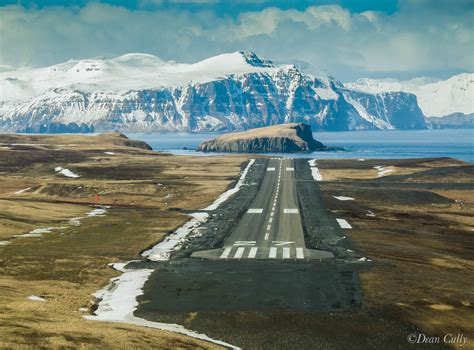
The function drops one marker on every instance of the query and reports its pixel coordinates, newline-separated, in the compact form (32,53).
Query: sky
(348,39)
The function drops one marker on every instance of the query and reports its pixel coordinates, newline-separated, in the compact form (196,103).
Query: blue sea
(455,143)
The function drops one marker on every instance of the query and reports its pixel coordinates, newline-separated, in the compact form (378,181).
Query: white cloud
(417,38)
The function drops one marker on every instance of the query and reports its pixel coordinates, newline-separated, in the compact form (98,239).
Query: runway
(271,228)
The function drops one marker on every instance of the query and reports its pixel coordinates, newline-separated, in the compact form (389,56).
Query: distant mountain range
(235,91)
(445,103)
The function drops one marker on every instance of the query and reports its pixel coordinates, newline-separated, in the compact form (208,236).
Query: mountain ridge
(436,97)
(233,91)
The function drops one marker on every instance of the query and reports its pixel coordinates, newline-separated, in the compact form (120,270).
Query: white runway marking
(290,211)
(244,243)
(239,253)
(255,211)
(270,169)
(225,253)
(273,253)
(290,169)
(252,253)
(269,227)
(343,223)
(270,221)
(280,243)
(266,236)
(299,253)
(272,213)
(344,198)
(286,253)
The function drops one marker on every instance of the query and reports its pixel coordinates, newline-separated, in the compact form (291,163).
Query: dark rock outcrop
(120,139)
(285,138)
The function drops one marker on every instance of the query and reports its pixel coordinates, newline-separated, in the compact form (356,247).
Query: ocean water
(455,143)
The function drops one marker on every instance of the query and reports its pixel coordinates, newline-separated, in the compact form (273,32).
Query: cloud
(422,36)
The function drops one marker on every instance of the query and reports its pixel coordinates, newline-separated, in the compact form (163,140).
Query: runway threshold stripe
(253,253)
(239,253)
(286,253)
(273,253)
(299,253)
(343,223)
(225,253)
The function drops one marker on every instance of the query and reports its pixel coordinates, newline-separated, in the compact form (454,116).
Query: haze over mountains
(235,91)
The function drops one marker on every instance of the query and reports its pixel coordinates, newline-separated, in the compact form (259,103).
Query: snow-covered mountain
(139,92)
(437,98)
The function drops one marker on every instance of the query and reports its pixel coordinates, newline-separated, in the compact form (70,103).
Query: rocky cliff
(285,138)
(235,91)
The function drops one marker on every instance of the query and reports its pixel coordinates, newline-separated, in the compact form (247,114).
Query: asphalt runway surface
(262,257)
(271,228)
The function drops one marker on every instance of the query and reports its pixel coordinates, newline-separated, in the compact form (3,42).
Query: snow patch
(100,211)
(364,259)
(343,198)
(379,123)
(35,298)
(5,243)
(223,197)
(343,223)
(315,173)
(65,172)
(97,212)
(326,94)
(382,170)
(38,232)
(162,251)
(118,301)
(23,190)
(109,153)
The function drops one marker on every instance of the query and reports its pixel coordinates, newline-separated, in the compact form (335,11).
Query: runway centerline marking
(225,253)
(244,243)
(280,243)
(252,253)
(239,253)
(255,211)
(273,253)
(266,236)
